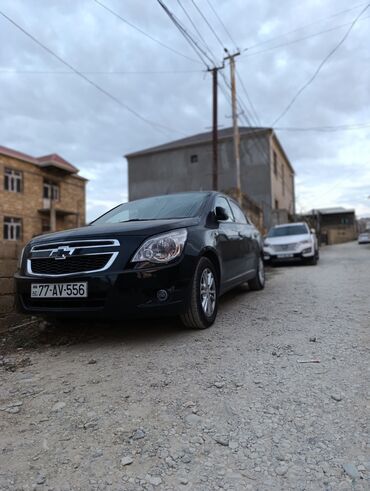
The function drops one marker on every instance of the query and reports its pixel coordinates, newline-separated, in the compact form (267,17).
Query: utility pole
(214,71)
(234,108)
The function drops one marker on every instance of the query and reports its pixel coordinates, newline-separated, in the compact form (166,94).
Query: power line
(100,72)
(116,14)
(208,24)
(329,129)
(254,112)
(194,26)
(312,78)
(341,12)
(84,77)
(294,41)
(222,23)
(195,46)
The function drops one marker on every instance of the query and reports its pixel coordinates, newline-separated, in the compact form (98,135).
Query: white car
(364,237)
(291,241)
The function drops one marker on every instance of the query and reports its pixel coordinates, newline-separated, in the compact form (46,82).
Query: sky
(47,108)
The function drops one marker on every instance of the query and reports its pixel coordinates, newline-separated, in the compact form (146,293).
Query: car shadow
(38,333)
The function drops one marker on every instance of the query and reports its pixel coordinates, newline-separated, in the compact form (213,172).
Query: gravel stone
(151,404)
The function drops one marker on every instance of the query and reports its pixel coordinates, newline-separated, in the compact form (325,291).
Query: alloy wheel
(261,271)
(208,292)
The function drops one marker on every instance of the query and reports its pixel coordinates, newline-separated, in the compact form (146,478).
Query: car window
(171,206)
(238,214)
(221,201)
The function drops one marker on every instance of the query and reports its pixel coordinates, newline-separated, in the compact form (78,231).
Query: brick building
(38,195)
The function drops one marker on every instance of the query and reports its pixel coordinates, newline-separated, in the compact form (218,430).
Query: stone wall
(9,254)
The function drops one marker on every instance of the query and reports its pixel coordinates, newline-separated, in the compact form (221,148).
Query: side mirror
(221,214)
(313,231)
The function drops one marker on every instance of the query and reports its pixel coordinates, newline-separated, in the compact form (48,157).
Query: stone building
(333,225)
(38,195)
(267,176)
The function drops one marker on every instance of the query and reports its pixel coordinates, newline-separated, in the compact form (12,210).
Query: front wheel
(258,282)
(201,308)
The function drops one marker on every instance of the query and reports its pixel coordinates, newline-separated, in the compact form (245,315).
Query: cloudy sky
(46,108)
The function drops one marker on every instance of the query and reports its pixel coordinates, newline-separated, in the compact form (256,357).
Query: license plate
(283,256)
(59,290)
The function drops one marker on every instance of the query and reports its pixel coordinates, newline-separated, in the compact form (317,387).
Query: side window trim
(247,222)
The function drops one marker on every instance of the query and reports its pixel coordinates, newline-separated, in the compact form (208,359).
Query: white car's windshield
(288,230)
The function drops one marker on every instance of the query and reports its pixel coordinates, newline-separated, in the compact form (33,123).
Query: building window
(13,180)
(12,228)
(193,159)
(51,190)
(276,204)
(275,163)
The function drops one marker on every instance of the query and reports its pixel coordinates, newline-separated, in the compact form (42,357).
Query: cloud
(56,112)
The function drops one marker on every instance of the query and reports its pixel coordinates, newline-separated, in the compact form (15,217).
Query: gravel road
(152,406)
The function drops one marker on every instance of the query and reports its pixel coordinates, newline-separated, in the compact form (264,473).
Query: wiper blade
(138,220)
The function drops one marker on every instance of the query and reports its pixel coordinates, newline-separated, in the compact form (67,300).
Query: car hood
(287,239)
(113,230)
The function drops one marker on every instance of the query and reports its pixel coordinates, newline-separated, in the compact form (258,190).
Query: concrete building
(267,176)
(333,225)
(38,195)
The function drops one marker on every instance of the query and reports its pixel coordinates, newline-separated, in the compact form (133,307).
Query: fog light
(162,295)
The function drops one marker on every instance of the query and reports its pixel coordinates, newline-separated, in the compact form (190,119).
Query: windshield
(289,230)
(182,205)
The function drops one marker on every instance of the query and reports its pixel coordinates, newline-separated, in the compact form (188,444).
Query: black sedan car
(173,254)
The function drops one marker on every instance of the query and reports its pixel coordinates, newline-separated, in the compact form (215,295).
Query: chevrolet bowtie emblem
(62,252)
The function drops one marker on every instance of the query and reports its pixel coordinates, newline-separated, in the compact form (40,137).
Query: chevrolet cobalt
(165,255)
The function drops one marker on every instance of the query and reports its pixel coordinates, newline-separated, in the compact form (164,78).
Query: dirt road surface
(150,405)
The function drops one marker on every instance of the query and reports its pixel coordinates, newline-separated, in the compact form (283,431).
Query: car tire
(258,282)
(201,309)
(313,260)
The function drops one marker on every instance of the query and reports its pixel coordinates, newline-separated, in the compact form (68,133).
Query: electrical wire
(222,23)
(153,124)
(203,55)
(298,40)
(341,12)
(329,129)
(194,26)
(92,72)
(323,62)
(254,112)
(116,14)
(208,24)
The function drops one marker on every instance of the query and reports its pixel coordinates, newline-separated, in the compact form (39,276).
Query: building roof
(199,139)
(55,160)
(52,160)
(334,210)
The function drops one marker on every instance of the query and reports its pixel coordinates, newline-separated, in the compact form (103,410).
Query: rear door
(247,250)
(228,243)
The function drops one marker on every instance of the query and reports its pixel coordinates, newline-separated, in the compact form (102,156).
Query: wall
(282,183)
(172,171)
(339,235)
(9,253)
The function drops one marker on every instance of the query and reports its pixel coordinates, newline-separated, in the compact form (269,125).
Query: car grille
(285,247)
(74,257)
(73,264)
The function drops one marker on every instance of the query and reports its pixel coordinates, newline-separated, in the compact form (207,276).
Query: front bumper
(114,295)
(270,255)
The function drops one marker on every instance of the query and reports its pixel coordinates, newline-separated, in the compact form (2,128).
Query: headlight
(266,243)
(162,248)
